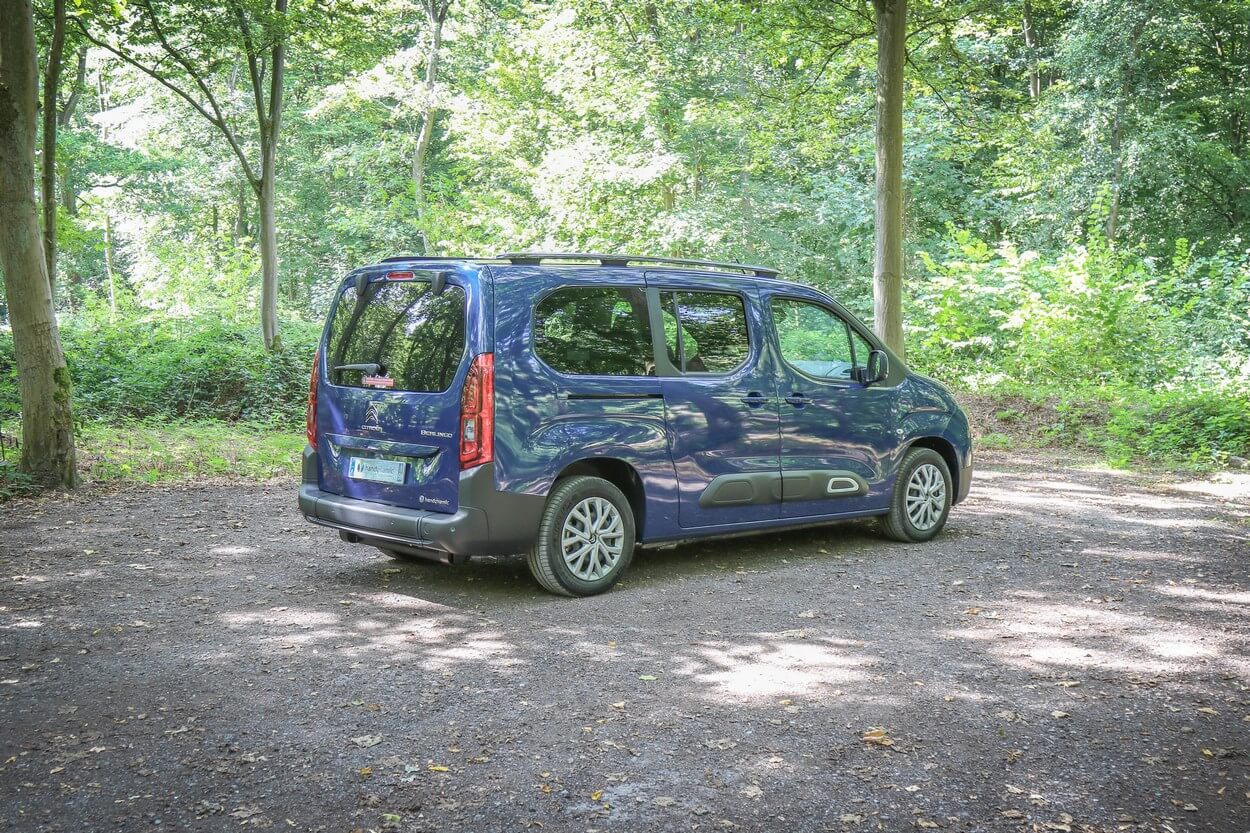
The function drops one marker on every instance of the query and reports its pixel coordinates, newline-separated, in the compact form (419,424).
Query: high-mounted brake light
(401,276)
(310,418)
(477,413)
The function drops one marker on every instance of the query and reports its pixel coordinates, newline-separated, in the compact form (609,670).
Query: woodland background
(1077,178)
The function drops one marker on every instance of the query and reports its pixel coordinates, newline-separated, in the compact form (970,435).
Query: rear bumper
(486,522)
(459,534)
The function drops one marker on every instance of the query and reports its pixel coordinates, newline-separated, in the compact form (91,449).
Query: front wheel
(586,538)
(922,497)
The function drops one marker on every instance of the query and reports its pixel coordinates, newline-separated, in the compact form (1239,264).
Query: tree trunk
(887,276)
(265,191)
(268,259)
(1117,174)
(436,13)
(241,228)
(108,266)
(1117,131)
(71,103)
(51,89)
(47,422)
(1033,42)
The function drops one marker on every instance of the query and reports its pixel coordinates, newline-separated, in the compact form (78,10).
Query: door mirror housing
(878,369)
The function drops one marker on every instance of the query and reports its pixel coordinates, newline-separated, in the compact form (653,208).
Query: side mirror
(878,367)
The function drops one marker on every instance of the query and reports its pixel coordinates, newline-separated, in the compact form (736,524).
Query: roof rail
(534,258)
(451,258)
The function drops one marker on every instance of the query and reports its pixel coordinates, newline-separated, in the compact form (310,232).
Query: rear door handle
(798,399)
(754,399)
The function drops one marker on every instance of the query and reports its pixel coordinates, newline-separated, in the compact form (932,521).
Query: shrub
(179,369)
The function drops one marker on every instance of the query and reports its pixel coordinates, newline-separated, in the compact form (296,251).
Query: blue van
(573,407)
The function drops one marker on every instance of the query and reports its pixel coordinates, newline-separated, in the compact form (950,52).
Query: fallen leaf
(365,741)
(1012,814)
(646,677)
(752,791)
(619,705)
(596,795)
(720,743)
(1058,715)
(438,768)
(878,737)
(1208,710)
(664,801)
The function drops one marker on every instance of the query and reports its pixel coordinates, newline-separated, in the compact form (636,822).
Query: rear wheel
(586,538)
(922,497)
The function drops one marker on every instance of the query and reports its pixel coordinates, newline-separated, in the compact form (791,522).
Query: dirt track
(1073,652)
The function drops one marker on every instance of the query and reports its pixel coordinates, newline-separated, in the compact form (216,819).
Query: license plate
(382,471)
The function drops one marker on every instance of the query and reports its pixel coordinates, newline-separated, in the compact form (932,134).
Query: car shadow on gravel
(504,581)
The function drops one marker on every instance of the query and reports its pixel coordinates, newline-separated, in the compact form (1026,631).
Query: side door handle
(798,399)
(755,399)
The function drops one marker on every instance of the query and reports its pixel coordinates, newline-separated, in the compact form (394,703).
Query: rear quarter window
(594,331)
(416,338)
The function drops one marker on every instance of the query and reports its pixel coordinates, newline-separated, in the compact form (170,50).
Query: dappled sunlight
(1122,553)
(232,550)
(769,666)
(1034,498)
(1189,592)
(1227,485)
(1040,636)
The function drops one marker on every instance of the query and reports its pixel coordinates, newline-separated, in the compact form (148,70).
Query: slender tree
(47,422)
(181,48)
(436,16)
(887,275)
(51,87)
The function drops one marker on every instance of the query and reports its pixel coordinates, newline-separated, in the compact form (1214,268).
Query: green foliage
(1094,315)
(1192,427)
(155,452)
(178,369)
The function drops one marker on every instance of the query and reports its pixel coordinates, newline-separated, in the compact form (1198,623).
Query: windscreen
(397,335)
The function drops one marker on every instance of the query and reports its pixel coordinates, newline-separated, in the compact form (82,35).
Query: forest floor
(1072,654)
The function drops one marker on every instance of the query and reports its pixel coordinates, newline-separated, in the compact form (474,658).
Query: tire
(899,524)
(586,499)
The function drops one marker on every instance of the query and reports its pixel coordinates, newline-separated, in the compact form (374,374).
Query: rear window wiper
(368,368)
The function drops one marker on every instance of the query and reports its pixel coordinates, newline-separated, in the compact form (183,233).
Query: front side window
(813,339)
(594,331)
(398,335)
(705,332)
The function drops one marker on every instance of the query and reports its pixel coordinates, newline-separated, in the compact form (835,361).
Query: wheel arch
(946,449)
(620,474)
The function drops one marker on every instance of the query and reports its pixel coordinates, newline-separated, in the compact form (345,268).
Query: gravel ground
(1072,654)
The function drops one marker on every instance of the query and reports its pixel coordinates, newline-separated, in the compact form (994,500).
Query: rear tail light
(310,418)
(477,413)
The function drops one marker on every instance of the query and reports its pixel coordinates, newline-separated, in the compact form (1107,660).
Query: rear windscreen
(398,336)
